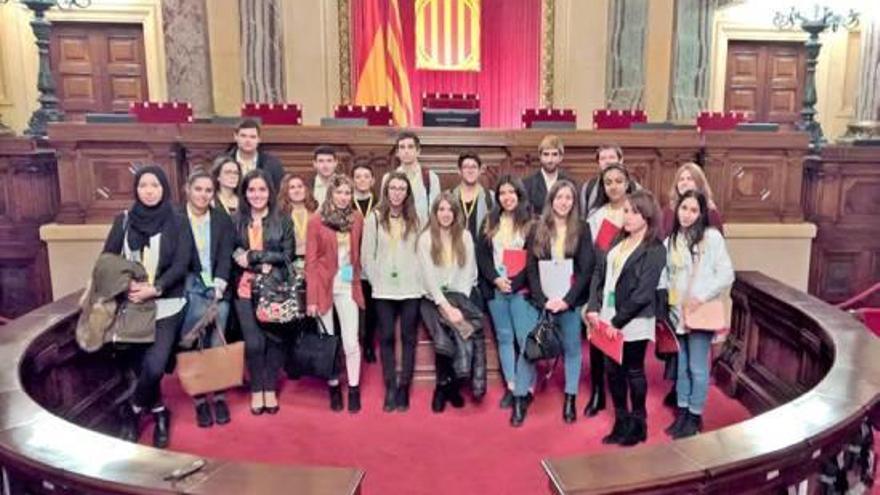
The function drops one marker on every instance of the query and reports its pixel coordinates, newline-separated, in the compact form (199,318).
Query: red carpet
(461,451)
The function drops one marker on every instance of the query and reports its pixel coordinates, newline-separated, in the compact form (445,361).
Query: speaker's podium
(450,110)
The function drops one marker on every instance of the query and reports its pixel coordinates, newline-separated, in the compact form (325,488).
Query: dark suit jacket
(268,163)
(222,244)
(536,189)
(175,250)
(584,259)
(635,294)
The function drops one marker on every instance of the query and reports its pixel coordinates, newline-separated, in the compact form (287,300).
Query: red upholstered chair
(560,115)
(617,119)
(274,113)
(451,101)
(870,316)
(375,114)
(719,121)
(161,112)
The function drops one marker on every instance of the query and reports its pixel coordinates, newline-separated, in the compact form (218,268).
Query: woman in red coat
(333,272)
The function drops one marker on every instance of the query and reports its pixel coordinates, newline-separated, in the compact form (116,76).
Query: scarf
(338,219)
(146,221)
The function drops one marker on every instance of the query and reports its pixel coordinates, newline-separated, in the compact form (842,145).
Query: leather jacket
(279,244)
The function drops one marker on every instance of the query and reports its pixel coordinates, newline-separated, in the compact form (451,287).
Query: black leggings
(151,366)
(629,375)
(597,370)
(368,317)
(264,353)
(387,311)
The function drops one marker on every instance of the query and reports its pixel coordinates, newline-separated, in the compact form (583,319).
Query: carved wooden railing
(54,397)
(812,372)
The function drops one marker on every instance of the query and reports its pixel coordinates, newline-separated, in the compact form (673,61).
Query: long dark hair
(522,215)
(244,208)
(545,228)
(645,204)
(602,198)
(693,235)
(408,212)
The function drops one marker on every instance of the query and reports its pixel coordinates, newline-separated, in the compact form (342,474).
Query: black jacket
(279,244)
(536,189)
(635,294)
(584,263)
(485,255)
(222,244)
(175,250)
(268,163)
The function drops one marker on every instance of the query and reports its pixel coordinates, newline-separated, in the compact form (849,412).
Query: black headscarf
(146,221)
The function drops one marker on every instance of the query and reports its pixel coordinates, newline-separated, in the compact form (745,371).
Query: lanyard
(357,205)
(469,211)
(300,223)
(621,255)
(559,243)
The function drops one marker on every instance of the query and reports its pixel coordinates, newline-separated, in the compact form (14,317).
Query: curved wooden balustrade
(50,388)
(814,369)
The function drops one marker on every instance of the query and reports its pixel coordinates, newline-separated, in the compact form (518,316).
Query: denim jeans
(512,317)
(570,324)
(198,298)
(692,384)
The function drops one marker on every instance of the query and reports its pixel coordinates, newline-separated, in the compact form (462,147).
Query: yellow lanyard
(559,243)
(621,256)
(469,211)
(505,232)
(150,264)
(300,223)
(369,207)
(198,226)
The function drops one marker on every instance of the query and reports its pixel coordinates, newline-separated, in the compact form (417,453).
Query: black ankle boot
(680,417)
(130,423)
(506,400)
(354,399)
(693,424)
(621,426)
(453,395)
(569,410)
(438,402)
(221,412)
(390,399)
(204,418)
(636,433)
(596,403)
(369,354)
(162,431)
(402,398)
(336,397)
(518,414)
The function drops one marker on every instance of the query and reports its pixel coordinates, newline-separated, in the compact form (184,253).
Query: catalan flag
(383,77)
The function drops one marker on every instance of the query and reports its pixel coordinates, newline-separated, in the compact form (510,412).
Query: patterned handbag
(279,296)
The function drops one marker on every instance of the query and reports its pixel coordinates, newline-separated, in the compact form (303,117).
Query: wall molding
(548,50)
(344,7)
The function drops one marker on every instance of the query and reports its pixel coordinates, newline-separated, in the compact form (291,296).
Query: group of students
(415,253)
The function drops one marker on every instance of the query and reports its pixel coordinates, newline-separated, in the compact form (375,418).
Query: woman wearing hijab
(153,234)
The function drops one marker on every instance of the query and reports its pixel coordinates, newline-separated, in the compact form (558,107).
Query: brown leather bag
(211,369)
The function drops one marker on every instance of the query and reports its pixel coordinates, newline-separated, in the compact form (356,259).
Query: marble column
(625,69)
(691,59)
(187,57)
(868,96)
(262,50)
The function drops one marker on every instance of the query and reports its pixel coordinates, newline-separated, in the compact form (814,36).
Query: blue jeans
(198,298)
(512,317)
(570,324)
(692,384)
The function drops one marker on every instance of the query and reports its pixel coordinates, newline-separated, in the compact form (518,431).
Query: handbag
(212,369)
(665,340)
(544,340)
(709,315)
(314,353)
(279,297)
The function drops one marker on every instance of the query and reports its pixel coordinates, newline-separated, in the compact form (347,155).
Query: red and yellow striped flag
(383,78)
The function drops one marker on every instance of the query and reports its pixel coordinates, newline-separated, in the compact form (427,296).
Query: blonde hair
(456,231)
(551,142)
(699,179)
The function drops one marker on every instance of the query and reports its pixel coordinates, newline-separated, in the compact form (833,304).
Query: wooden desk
(52,391)
(816,365)
(757,176)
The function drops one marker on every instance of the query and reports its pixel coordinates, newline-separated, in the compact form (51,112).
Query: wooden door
(97,67)
(765,80)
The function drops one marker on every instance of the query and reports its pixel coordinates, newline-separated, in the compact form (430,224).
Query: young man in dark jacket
(247,152)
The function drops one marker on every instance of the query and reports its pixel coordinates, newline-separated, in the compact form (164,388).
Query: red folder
(514,261)
(612,348)
(607,232)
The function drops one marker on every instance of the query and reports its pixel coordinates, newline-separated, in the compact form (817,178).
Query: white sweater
(452,278)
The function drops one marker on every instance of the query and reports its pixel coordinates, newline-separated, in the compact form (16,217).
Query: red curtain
(509,78)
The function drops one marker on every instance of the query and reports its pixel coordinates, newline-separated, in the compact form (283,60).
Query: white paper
(556,277)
